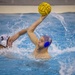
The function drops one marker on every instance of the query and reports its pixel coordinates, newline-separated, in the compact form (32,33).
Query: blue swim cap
(48,41)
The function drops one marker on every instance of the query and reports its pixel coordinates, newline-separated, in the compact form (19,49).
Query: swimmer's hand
(42,18)
(9,44)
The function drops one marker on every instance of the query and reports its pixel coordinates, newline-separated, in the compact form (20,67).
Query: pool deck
(34,9)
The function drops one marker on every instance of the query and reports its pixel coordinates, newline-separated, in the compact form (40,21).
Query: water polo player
(41,50)
(42,44)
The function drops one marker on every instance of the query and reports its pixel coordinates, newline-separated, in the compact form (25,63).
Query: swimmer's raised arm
(15,36)
(31,29)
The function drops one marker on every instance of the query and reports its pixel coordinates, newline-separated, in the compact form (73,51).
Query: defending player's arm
(15,36)
(31,29)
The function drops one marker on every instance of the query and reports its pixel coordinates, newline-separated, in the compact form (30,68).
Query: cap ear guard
(3,40)
(47,44)
(4,43)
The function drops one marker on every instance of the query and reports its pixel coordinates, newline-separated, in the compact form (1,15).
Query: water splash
(67,68)
(55,51)
(61,19)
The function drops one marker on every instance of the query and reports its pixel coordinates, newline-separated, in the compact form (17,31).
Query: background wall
(36,2)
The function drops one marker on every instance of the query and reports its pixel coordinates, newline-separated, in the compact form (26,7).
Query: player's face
(41,42)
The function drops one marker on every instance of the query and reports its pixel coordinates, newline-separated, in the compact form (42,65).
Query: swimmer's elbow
(29,31)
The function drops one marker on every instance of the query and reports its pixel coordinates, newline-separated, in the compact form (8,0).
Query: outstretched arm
(15,36)
(31,29)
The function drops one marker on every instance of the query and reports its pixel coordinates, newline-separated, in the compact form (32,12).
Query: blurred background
(31,6)
(36,2)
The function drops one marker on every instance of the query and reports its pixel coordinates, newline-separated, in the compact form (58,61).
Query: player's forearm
(35,24)
(17,35)
(22,32)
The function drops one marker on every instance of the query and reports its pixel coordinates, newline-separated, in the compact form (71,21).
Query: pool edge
(34,9)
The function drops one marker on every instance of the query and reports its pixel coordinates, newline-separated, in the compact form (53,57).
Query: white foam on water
(55,51)
(22,52)
(11,52)
(67,68)
(14,52)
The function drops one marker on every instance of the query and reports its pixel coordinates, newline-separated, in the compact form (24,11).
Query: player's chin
(40,46)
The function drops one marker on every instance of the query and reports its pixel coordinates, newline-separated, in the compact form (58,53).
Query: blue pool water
(18,60)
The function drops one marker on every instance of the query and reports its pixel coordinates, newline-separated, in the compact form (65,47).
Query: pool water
(18,60)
